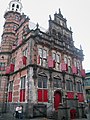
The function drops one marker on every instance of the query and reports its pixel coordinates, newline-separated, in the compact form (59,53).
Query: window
(22,89)
(44,54)
(23,80)
(13,5)
(25,52)
(2,66)
(42,89)
(65,60)
(17,6)
(59,35)
(10,89)
(14,27)
(42,82)
(16,17)
(56,58)
(87,82)
(43,57)
(79,87)
(54,32)
(57,83)
(69,85)
(13,61)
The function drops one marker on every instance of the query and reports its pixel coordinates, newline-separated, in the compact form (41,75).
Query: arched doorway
(57,99)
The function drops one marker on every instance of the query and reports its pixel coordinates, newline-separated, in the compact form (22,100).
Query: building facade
(87,86)
(39,69)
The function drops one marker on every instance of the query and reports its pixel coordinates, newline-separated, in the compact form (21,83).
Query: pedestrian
(20,112)
(16,112)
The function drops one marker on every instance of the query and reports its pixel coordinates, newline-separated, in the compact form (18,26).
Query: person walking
(16,112)
(20,112)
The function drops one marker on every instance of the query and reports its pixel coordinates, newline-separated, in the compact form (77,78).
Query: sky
(75,11)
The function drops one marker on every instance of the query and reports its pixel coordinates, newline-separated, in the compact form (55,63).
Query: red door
(57,100)
(73,113)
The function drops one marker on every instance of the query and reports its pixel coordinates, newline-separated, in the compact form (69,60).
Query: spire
(15,5)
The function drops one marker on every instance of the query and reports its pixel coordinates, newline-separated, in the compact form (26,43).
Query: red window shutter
(64,67)
(50,62)
(83,73)
(38,59)
(11,67)
(74,70)
(24,59)
(45,95)
(39,95)
(10,97)
(70,95)
(80,97)
(22,95)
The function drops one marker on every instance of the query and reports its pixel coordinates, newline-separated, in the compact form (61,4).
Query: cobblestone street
(11,117)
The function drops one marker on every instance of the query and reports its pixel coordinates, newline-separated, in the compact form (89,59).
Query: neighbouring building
(39,69)
(87,86)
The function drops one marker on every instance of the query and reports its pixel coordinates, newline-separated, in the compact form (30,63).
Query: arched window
(13,5)
(17,6)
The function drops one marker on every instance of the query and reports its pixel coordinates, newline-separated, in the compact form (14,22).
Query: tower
(12,19)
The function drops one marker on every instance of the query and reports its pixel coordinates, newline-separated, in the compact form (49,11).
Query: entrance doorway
(57,99)
(72,113)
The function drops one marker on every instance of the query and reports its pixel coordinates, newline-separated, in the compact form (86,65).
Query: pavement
(9,116)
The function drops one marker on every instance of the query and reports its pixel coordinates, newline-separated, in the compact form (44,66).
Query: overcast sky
(75,11)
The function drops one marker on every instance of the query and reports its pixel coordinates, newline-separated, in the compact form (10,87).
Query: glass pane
(39,82)
(44,54)
(23,82)
(40,52)
(58,58)
(44,82)
(44,63)
(54,56)
(65,59)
